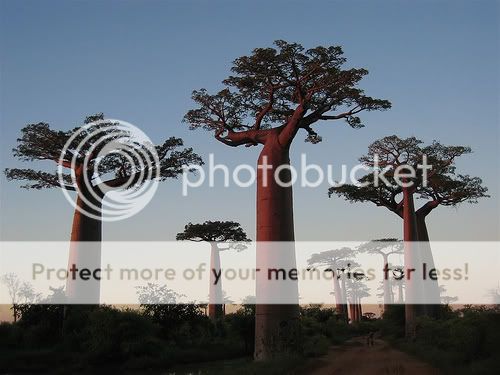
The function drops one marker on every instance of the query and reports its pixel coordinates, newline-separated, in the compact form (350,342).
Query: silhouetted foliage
(213,231)
(38,142)
(274,85)
(444,185)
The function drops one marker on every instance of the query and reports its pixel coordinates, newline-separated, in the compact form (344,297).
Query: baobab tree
(439,186)
(396,284)
(272,95)
(334,260)
(355,291)
(384,247)
(222,236)
(88,154)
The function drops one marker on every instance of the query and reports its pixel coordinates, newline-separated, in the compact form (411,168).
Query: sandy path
(354,357)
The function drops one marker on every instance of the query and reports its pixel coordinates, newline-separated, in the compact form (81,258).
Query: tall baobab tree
(221,235)
(384,247)
(441,184)
(334,260)
(94,168)
(272,95)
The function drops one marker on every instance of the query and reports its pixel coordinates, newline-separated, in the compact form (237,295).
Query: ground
(355,357)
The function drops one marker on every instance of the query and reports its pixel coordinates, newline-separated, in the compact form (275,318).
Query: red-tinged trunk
(277,329)
(431,287)
(359,310)
(412,263)
(354,309)
(85,250)
(215,308)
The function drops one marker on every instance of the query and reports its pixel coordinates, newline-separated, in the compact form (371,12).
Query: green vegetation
(458,342)
(51,338)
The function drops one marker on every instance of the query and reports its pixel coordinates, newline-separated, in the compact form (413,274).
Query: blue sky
(437,61)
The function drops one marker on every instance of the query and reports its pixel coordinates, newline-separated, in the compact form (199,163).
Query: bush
(463,342)
(113,335)
(316,345)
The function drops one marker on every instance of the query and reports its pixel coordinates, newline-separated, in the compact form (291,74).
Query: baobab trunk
(401,297)
(277,330)
(353,311)
(339,307)
(386,284)
(412,263)
(431,287)
(85,249)
(344,300)
(215,309)
(359,310)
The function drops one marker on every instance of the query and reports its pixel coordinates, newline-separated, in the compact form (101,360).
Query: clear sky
(436,61)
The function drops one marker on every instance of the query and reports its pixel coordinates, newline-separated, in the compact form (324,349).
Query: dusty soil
(355,357)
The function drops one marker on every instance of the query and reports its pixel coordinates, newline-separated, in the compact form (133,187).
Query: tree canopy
(213,231)
(85,146)
(384,246)
(331,257)
(441,186)
(285,85)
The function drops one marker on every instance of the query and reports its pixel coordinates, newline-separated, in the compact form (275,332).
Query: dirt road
(355,357)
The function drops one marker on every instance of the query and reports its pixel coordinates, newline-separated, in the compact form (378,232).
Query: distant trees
(384,247)
(356,290)
(272,95)
(221,235)
(333,260)
(440,186)
(94,168)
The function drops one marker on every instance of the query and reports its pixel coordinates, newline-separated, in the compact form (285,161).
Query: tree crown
(285,85)
(384,246)
(213,231)
(440,186)
(80,147)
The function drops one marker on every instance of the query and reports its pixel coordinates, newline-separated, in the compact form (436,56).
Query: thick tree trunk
(412,264)
(431,287)
(215,308)
(277,329)
(85,252)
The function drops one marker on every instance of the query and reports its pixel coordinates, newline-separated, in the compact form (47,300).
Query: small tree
(164,307)
(384,247)
(221,235)
(94,168)
(13,285)
(273,94)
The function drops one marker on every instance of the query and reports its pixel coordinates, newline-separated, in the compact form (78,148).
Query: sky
(138,61)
